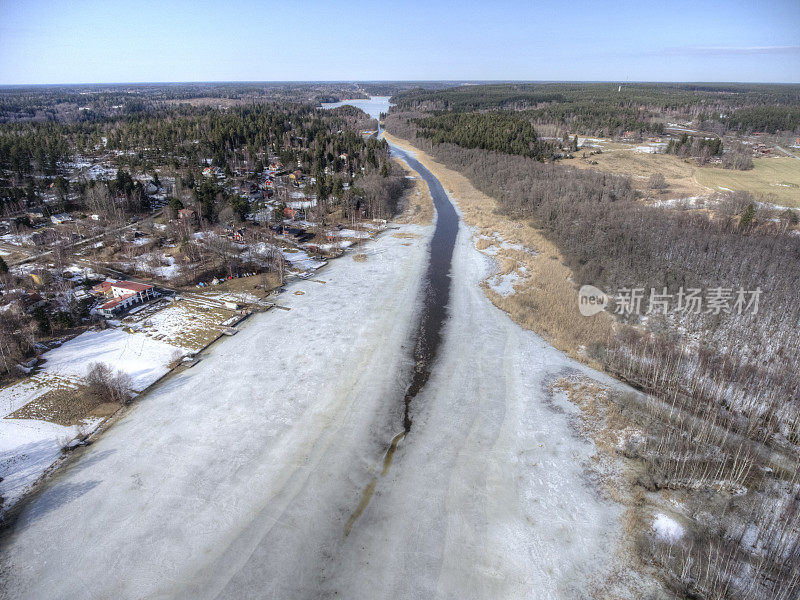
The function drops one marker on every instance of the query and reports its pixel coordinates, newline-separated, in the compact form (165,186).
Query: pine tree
(748,215)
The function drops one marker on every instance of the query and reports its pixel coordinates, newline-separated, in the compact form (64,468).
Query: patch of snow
(144,359)
(27,449)
(298,204)
(28,446)
(667,529)
(349,233)
(301,261)
(504,284)
(687,202)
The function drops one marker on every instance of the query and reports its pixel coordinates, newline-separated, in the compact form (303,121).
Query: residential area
(116,271)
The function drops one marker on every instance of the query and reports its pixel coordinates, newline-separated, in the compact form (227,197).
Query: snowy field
(28,447)
(235,479)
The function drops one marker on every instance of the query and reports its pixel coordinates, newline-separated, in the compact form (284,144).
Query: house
(60,218)
(123,295)
(187,213)
(142,291)
(289,212)
(114,289)
(299,234)
(102,289)
(116,305)
(31,301)
(236,235)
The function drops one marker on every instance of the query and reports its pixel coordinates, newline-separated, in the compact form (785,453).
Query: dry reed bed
(416,204)
(672,462)
(546,300)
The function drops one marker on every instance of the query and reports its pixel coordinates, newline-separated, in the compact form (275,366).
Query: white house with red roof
(121,295)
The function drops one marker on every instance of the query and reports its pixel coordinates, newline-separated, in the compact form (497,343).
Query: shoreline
(9,514)
(614,473)
(520,248)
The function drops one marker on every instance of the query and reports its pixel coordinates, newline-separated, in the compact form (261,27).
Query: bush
(107,385)
(657,182)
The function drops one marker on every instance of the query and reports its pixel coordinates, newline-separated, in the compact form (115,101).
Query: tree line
(605,108)
(500,131)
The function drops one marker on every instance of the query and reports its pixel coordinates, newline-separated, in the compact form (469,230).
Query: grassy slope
(622,159)
(778,176)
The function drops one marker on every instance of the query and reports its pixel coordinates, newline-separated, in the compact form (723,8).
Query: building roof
(31,298)
(132,286)
(103,287)
(115,302)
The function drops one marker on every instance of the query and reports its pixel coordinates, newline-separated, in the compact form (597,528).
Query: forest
(609,109)
(501,131)
(82,103)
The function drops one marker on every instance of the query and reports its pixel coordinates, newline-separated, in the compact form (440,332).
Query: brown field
(65,406)
(775,180)
(622,159)
(545,300)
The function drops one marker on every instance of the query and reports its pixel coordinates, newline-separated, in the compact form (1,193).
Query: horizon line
(386,81)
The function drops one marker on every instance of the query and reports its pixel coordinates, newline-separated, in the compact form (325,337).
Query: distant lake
(374,106)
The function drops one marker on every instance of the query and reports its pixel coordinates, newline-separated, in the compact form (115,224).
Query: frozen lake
(374,106)
(262,471)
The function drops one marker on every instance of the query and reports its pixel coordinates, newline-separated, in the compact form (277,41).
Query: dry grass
(546,301)
(65,406)
(772,179)
(360,257)
(622,159)
(416,203)
(775,180)
(406,236)
(190,323)
(604,421)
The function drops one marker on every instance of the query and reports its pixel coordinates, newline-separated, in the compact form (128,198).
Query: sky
(83,41)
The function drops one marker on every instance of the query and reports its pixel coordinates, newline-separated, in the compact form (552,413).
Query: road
(262,472)
(787,153)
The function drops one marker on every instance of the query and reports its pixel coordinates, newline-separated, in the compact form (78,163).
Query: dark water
(428,335)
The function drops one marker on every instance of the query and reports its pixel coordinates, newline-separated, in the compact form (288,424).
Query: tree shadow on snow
(54,498)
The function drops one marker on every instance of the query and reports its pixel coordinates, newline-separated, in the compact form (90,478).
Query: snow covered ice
(235,479)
